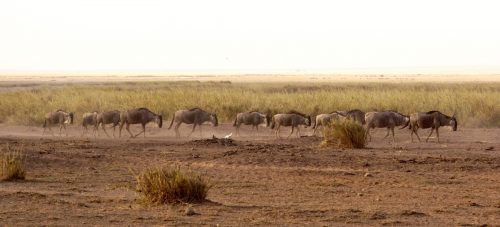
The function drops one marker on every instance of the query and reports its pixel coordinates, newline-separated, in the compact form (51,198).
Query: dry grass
(344,134)
(170,186)
(11,164)
(475,104)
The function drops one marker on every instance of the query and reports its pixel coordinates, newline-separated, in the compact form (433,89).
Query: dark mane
(435,111)
(339,113)
(195,108)
(297,112)
(354,110)
(60,110)
(144,108)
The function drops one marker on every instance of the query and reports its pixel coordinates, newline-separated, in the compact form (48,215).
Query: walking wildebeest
(324,119)
(138,116)
(195,116)
(59,117)
(89,119)
(432,119)
(109,117)
(250,118)
(385,119)
(292,118)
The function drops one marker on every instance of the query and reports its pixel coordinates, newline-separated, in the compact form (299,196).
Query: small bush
(11,165)
(171,185)
(344,134)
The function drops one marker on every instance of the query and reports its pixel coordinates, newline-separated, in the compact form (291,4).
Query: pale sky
(249,36)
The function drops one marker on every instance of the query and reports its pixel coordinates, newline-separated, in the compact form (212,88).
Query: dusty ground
(260,180)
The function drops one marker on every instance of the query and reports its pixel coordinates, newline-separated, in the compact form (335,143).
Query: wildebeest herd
(196,116)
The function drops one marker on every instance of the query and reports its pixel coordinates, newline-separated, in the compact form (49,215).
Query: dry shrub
(11,164)
(171,185)
(344,134)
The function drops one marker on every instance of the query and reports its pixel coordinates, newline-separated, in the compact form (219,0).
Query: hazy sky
(250,36)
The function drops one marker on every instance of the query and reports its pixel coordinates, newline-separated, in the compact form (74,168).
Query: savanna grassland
(253,179)
(474,104)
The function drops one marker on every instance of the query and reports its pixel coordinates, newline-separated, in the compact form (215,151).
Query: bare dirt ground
(258,180)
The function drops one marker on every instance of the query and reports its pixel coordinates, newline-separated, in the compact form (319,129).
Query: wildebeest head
(214,120)
(68,118)
(308,121)
(453,123)
(406,120)
(268,120)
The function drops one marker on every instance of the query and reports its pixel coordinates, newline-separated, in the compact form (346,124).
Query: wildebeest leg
(121,127)
(128,130)
(293,128)
(104,129)
(315,129)
(437,133)
(176,129)
(237,130)
(277,132)
(388,131)
(368,134)
(50,129)
(194,127)
(432,130)
(84,130)
(65,130)
(298,131)
(114,129)
(417,135)
(201,135)
(143,131)
(393,138)
(411,135)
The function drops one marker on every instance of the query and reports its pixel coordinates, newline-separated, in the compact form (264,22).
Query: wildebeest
(292,118)
(139,116)
(432,119)
(250,118)
(89,119)
(195,116)
(59,117)
(385,119)
(108,117)
(324,119)
(356,115)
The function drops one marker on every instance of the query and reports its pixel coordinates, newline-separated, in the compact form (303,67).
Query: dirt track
(259,180)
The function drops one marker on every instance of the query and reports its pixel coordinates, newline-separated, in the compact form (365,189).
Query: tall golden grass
(475,104)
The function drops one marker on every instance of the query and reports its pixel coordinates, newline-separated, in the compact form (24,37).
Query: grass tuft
(170,186)
(11,164)
(344,134)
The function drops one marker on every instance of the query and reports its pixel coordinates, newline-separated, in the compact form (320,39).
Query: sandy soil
(258,180)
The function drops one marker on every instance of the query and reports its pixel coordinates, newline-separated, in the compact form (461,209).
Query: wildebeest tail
(45,123)
(235,119)
(172,122)
(273,123)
